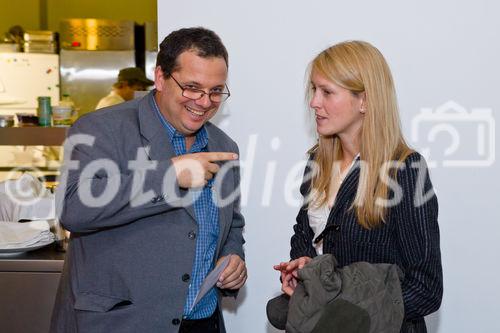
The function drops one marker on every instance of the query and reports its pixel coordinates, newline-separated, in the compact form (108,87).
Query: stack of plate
(22,237)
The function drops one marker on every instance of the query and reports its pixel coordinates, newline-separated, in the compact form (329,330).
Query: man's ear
(159,79)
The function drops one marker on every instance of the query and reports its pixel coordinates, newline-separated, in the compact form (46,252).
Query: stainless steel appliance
(40,42)
(28,285)
(92,53)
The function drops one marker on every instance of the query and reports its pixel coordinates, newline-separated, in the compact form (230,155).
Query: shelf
(29,168)
(47,259)
(33,136)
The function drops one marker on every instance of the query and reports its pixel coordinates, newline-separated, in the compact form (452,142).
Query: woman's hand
(289,273)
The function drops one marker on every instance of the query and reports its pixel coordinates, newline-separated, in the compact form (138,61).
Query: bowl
(6,121)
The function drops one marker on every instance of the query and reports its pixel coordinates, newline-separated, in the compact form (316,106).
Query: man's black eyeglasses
(195,94)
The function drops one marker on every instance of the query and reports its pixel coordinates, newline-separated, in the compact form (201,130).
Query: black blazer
(409,237)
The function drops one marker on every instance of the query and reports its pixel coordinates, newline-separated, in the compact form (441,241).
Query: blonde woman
(368,196)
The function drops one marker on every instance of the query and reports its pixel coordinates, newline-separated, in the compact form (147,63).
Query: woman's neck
(350,149)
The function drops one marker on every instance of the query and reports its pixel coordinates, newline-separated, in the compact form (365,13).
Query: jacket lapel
(155,140)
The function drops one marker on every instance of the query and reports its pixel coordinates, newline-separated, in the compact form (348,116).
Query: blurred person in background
(130,80)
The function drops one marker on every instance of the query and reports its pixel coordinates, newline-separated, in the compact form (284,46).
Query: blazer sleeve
(416,218)
(301,241)
(234,242)
(127,204)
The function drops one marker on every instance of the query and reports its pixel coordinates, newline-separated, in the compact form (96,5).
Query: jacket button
(176,321)
(191,235)
(185,277)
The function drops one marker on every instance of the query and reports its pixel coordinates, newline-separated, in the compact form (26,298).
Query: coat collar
(157,144)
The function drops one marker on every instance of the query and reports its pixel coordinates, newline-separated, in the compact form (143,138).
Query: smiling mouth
(195,112)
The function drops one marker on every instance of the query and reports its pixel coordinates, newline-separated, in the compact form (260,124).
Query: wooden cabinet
(33,136)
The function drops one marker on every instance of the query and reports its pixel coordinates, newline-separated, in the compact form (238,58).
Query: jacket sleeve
(234,242)
(418,239)
(301,242)
(125,202)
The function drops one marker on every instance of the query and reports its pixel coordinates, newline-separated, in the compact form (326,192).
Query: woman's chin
(324,132)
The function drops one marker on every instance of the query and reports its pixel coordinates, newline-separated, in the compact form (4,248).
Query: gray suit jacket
(128,263)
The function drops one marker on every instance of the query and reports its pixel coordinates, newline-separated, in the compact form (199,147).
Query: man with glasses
(137,265)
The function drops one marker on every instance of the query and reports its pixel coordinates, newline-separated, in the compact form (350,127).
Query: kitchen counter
(28,286)
(46,259)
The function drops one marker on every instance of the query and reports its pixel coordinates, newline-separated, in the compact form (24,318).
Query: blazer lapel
(155,139)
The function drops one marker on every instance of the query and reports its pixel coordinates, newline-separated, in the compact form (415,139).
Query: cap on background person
(130,81)
(134,75)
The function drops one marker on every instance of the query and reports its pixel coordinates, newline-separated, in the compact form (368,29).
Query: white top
(318,216)
(112,99)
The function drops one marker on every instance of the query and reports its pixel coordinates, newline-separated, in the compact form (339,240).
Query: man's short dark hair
(204,42)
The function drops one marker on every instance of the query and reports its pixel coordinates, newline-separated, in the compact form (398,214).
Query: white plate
(28,248)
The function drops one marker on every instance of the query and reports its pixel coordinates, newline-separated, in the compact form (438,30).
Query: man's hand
(194,170)
(234,275)
(289,273)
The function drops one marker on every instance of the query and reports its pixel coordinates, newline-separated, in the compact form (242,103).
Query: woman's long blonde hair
(360,67)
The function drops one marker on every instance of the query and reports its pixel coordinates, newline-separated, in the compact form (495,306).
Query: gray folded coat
(360,297)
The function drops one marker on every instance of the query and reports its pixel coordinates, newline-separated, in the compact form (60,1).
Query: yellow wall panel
(26,13)
(138,11)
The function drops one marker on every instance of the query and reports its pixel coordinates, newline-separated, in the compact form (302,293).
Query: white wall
(439,51)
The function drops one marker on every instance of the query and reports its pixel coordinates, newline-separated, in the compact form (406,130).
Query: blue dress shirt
(207,218)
